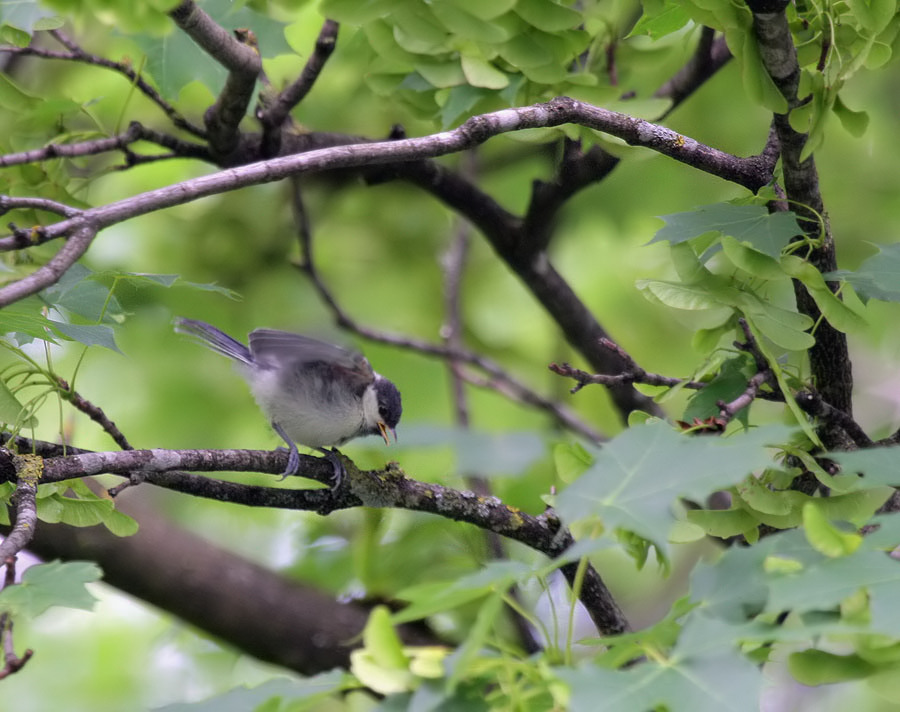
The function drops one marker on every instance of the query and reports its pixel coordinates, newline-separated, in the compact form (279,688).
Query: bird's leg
(333,456)
(293,463)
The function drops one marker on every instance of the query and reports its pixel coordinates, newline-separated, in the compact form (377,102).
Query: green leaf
(624,486)
(381,664)
(878,277)
(251,698)
(466,25)
(838,314)
(430,598)
(854,122)
(728,384)
(671,18)
(11,409)
(878,465)
(817,667)
(29,16)
(85,512)
(705,671)
(824,537)
(756,263)
(89,334)
(481,73)
(547,15)
(722,523)
(53,584)
(873,15)
(688,297)
(766,232)
(79,292)
(571,460)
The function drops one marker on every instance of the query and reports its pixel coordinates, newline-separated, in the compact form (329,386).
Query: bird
(314,393)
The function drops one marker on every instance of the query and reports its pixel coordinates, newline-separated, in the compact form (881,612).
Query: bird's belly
(331,424)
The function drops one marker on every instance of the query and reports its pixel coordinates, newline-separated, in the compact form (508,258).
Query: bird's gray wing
(273,347)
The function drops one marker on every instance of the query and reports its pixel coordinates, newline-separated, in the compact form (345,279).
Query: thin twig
(95,413)
(77,54)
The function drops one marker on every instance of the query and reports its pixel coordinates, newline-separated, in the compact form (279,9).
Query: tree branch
(382,488)
(243,64)
(273,115)
(829,357)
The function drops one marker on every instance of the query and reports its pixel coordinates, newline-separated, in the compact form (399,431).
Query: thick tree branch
(243,604)
(382,488)
(829,357)
(244,67)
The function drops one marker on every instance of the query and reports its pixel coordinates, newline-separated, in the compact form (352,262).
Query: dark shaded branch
(244,67)
(243,604)
(273,115)
(94,412)
(583,378)
(813,404)
(829,357)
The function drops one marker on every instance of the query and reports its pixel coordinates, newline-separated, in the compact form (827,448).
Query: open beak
(383,429)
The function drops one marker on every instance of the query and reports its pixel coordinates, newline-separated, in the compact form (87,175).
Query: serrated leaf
(766,232)
(53,584)
(625,489)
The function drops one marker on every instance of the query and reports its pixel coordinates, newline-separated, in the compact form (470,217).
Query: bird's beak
(383,429)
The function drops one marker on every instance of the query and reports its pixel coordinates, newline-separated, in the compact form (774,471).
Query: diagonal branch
(244,67)
(273,116)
